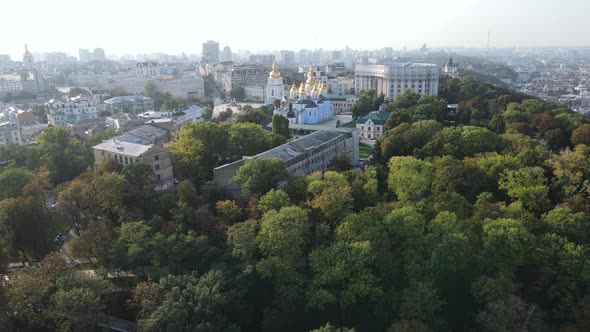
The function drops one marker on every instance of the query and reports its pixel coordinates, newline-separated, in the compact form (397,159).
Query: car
(176,181)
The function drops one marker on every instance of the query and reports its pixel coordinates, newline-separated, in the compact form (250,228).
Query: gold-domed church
(309,102)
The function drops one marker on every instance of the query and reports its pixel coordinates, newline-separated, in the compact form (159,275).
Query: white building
(242,75)
(70,110)
(150,69)
(394,79)
(372,125)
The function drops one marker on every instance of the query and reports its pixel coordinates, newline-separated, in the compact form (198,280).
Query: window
(126,161)
(157,167)
(156,157)
(158,177)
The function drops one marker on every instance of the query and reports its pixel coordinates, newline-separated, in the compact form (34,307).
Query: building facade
(70,110)
(303,156)
(129,104)
(143,144)
(372,125)
(394,79)
(10,134)
(210,52)
(242,75)
(343,103)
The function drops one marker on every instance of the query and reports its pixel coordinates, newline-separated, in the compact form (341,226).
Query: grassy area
(365,150)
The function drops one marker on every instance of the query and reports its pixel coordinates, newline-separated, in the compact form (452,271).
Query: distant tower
(275,86)
(450,69)
(28,57)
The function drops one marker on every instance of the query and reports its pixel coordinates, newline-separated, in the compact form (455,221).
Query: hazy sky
(173,26)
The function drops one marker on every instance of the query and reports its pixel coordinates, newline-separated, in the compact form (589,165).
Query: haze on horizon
(173,26)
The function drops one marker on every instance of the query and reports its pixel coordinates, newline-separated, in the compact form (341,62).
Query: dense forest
(474,219)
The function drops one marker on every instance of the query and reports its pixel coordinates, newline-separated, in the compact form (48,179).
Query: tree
(281,239)
(241,239)
(237,93)
(330,328)
(340,163)
(229,211)
(581,135)
(95,241)
(257,176)
(365,104)
(274,199)
(182,252)
(139,174)
(77,309)
(505,242)
(410,178)
(512,314)
(12,182)
(253,116)
(280,125)
(527,185)
(135,238)
(208,113)
(187,194)
(185,303)
(342,276)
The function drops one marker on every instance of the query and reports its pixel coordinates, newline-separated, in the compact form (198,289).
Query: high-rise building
(84,55)
(226,54)
(263,59)
(287,58)
(393,79)
(99,54)
(210,52)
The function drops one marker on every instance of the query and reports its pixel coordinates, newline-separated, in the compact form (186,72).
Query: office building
(393,79)
(210,52)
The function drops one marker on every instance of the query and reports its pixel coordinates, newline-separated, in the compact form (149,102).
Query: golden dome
(274,73)
(293,88)
(302,89)
(310,77)
(323,88)
(316,89)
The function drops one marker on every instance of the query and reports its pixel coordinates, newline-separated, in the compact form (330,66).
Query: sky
(175,26)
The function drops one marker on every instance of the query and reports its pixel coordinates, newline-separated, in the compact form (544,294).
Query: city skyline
(449,24)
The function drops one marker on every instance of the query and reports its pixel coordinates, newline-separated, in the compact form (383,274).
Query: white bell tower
(275,88)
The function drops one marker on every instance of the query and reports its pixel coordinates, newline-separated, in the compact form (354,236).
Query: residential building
(305,155)
(242,75)
(125,153)
(263,59)
(86,127)
(150,69)
(129,104)
(210,52)
(122,122)
(226,55)
(372,125)
(146,134)
(287,58)
(27,80)
(10,134)
(393,79)
(70,110)
(98,54)
(340,85)
(84,55)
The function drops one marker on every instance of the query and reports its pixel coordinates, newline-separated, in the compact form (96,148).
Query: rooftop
(122,99)
(299,146)
(378,117)
(127,148)
(145,134)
